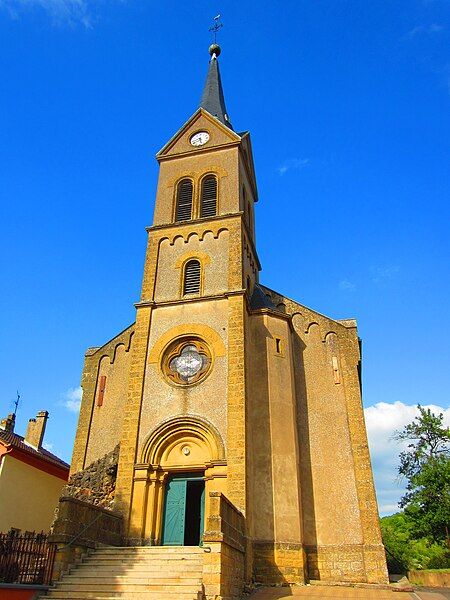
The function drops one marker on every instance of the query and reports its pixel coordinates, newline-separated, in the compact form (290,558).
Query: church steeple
(212,98)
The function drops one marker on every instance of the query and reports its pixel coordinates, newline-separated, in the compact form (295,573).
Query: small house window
(191,283)
(208,201)
(184,201)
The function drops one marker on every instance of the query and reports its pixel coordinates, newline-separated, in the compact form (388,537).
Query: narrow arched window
(191,283)
(184,201)
(208,201)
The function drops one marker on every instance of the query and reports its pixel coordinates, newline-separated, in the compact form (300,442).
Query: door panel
(174,513)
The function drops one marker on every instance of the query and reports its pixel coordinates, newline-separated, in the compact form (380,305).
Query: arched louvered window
(184,201)
(208,200)
(191,283)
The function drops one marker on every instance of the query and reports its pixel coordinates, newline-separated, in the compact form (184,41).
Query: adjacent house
(31,478)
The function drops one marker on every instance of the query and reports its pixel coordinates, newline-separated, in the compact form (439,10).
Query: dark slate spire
(212,98)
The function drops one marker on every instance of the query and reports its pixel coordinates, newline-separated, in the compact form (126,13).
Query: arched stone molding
(186,232)
(330,337)
(197,176)
(202,257)
(311,325)
(159,447)
(211,337)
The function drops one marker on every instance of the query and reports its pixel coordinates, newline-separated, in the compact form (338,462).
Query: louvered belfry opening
(208,203)
(191,283)
(184,200)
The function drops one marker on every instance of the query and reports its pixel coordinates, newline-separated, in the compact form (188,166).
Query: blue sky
(348,106)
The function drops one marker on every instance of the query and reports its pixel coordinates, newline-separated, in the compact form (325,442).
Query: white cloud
(346,285)
(72,399)
(382,274)
(292,164)
(382,420)
(425,29)
(60,11)
(48,446)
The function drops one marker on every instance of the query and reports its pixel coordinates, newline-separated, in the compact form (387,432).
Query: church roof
(260,299)
(213,99)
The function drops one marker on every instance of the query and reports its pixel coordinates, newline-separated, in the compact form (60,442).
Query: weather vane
(215,28)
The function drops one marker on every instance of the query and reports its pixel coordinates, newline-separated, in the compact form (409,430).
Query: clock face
(199,138)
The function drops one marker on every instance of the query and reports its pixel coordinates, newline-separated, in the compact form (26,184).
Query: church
(236,411)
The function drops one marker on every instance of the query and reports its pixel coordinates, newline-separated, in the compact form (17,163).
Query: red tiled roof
(17,441)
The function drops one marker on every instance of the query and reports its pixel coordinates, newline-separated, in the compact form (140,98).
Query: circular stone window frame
(174,350)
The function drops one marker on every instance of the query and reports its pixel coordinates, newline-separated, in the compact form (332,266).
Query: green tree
(425,464)
(405,550)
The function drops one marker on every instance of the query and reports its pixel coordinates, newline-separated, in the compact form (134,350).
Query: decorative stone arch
(204,258)
(160,447)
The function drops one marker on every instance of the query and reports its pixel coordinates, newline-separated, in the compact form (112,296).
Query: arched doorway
(182,461)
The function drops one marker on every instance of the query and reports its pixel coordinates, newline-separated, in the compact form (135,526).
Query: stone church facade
(224,388)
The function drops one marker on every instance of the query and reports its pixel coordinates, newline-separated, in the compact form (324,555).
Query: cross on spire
(215,28)
(212,98)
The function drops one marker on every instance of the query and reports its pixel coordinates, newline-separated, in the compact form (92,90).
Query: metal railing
(26,558)
(80,533)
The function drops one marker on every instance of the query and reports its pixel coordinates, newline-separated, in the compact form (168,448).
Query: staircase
(145,572)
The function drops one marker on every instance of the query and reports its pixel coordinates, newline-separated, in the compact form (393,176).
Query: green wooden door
(174,513)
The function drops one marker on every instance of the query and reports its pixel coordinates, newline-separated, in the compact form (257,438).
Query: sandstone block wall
(97,483)
(224,559)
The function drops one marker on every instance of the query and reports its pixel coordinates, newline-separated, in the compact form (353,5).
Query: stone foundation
(347,563)
(278,563)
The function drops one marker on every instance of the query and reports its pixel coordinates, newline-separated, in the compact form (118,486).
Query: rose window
(187,361)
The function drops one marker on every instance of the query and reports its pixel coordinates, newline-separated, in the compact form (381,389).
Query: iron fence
(26,558)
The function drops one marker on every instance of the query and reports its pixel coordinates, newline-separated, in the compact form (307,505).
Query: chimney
(7,424)
(36,429)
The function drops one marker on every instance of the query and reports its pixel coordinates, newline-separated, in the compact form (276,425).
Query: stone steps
(132,583)
(137,571)
(107,589)
(145,595)
(142,560)
(183,550)
(140,573)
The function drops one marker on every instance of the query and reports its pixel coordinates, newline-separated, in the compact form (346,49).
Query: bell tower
(201,266)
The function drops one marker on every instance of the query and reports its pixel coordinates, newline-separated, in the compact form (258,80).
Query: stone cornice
(204,220)
(196,152)
(156,304)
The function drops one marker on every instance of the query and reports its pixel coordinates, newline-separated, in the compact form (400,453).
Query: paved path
(344,593)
